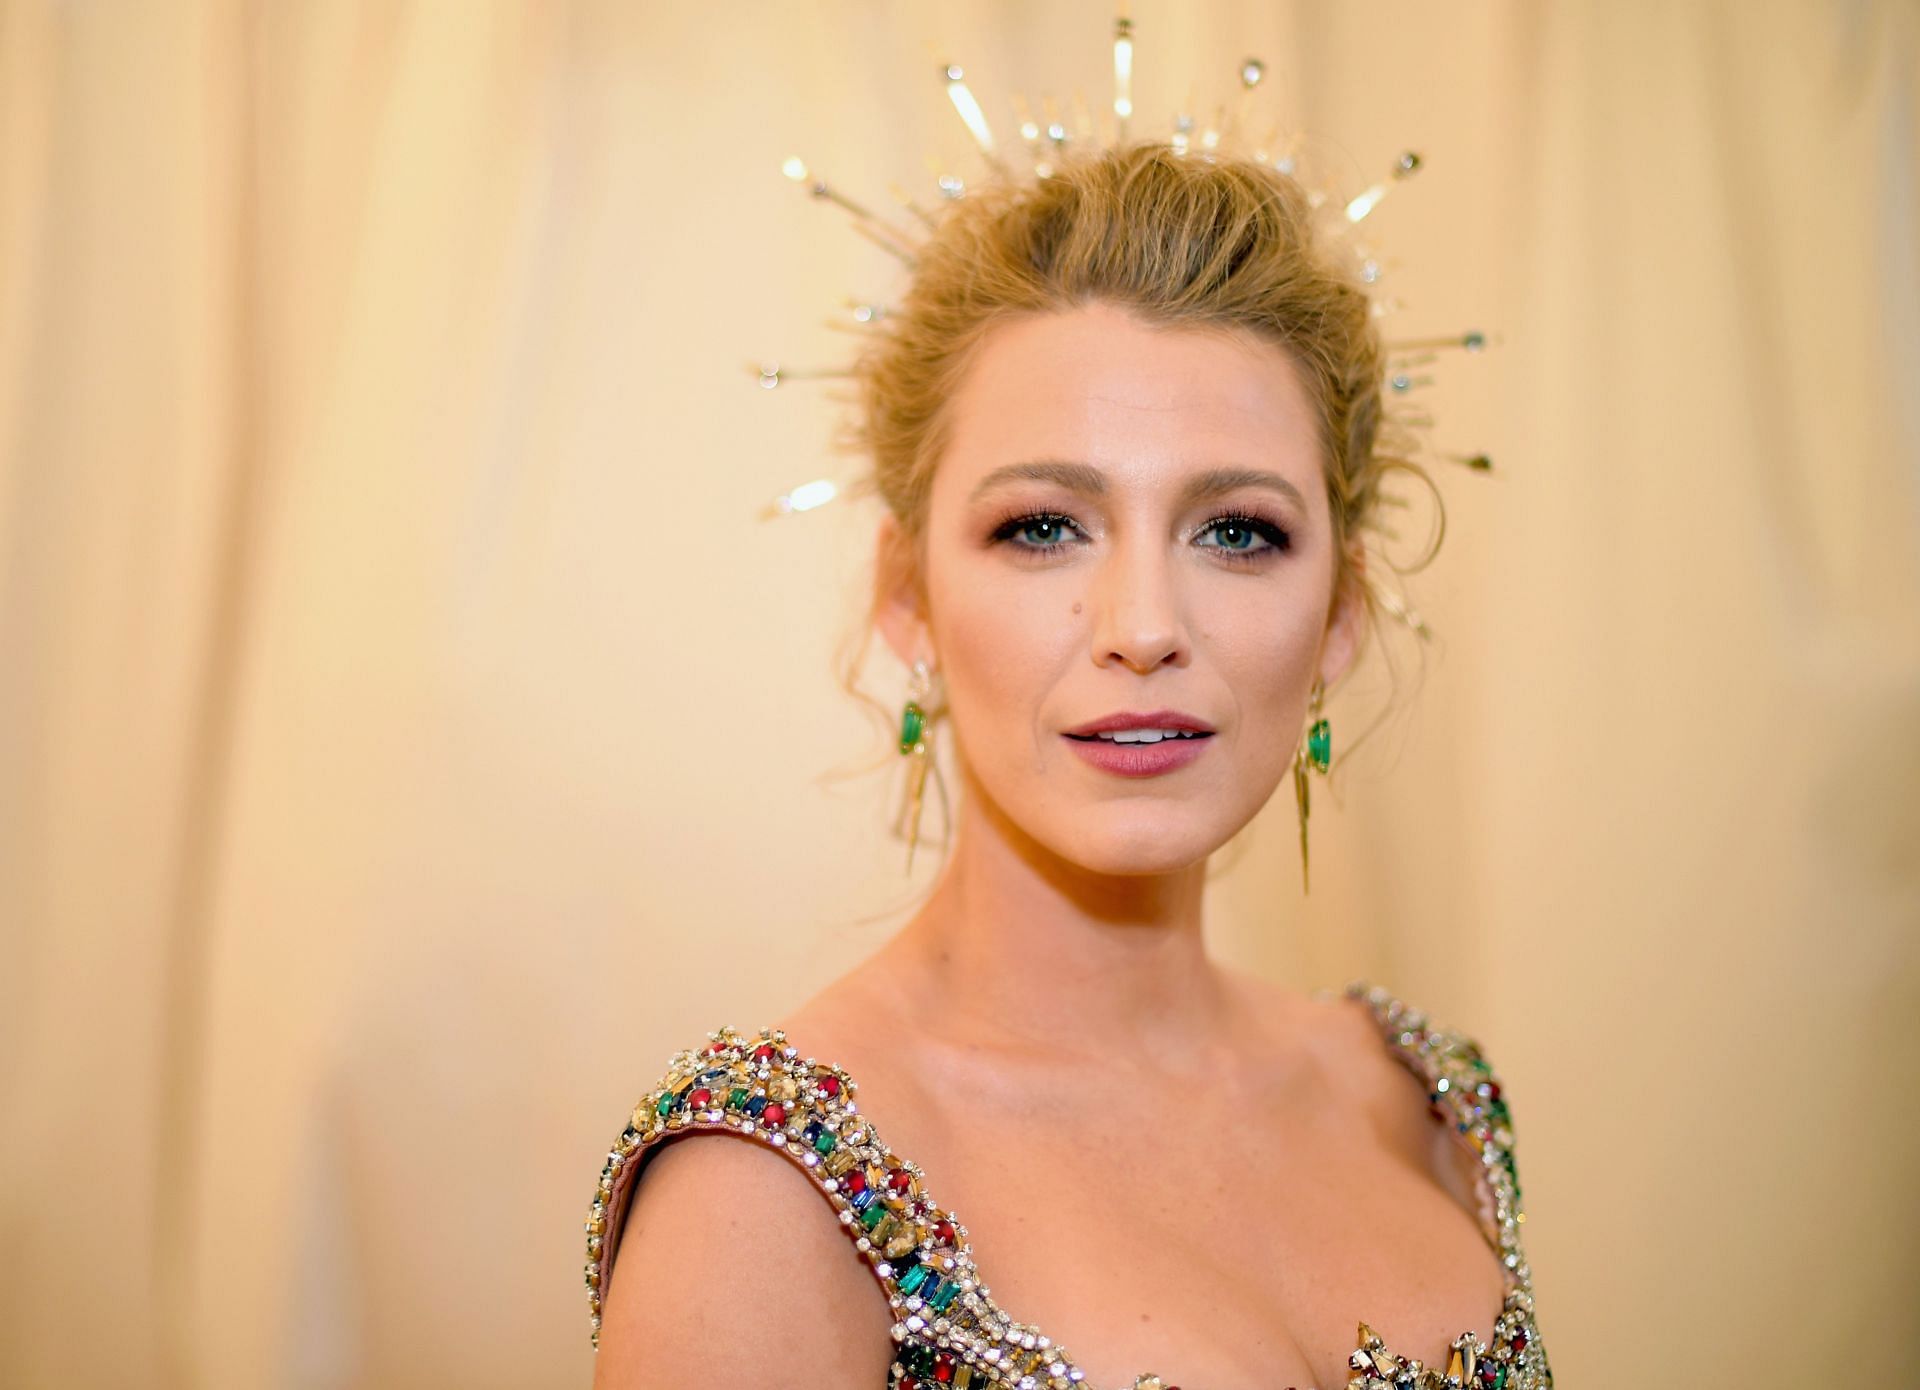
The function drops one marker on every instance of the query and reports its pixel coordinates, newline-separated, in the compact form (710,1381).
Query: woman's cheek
(1004,648)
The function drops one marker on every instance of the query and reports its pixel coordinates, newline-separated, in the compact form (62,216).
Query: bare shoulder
(1359,1062)
(733,1271)
(1335,1030)
(1397,1098)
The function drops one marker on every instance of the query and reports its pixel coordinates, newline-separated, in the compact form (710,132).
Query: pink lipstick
(1141,744)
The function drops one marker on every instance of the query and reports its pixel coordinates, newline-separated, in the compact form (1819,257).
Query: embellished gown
(947,1331)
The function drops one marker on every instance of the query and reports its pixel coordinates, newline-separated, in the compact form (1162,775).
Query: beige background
(408,738)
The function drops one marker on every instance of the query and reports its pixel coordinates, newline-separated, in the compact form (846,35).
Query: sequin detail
(947,1331)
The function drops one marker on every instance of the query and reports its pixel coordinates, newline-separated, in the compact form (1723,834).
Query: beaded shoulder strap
(948,1329)
(1464,1092)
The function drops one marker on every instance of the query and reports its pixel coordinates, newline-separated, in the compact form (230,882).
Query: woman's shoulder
(742,1213)
(745,1085)
(1462,1088)
(1435,1048)
(760,1088)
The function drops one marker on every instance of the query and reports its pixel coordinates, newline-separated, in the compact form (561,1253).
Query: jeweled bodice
(947,1329)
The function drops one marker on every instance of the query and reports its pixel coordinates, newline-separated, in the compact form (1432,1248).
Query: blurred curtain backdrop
(408,737)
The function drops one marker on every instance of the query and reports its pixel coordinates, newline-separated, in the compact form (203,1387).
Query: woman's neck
(1021,948)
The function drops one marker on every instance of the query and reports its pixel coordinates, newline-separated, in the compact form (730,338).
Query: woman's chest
(1218,1254)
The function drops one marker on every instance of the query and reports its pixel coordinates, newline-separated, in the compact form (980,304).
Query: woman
(1126,426)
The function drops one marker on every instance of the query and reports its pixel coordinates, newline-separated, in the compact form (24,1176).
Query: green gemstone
(1320,744)
(737,1097)
(871,1216)
(1500,1378)
(666,1104)
(911,725)
(913,1278)
(944,1296)
(824,1144)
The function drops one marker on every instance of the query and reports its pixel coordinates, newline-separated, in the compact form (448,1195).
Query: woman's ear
(1347,624)
(899,594)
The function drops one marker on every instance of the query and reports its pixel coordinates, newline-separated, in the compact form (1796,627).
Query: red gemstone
(944,1230)
(1520,1341)
(909,1383)
(701,1098)
(898,1179)
(715,1046)
(943,1367)
(830,1085)
(762,1052)
(1493,1090)
(774,1114)
(856,1181)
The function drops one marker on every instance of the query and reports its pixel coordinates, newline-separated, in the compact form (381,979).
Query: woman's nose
(1137,611)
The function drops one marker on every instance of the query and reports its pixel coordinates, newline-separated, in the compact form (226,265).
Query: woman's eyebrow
(1218,480)
(1085,478)
(1075,477)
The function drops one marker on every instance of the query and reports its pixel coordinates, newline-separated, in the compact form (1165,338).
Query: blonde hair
(1213,243)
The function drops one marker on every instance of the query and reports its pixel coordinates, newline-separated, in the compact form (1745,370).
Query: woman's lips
(1139,759)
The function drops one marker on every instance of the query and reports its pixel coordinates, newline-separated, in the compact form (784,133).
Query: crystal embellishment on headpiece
(1046,137)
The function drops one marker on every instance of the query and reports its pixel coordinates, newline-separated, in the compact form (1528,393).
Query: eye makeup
(1246,527)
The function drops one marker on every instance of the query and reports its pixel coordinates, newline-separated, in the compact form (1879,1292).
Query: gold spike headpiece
(1054,132)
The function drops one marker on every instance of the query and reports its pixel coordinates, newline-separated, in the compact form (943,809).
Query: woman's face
(1127,520)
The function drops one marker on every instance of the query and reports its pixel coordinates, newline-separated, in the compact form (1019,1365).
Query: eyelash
(1277,537)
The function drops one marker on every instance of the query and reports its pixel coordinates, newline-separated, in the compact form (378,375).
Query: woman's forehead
(1098,385)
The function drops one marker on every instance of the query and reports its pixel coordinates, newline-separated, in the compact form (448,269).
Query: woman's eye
(1042,531)
(1239,538)
(1245,535)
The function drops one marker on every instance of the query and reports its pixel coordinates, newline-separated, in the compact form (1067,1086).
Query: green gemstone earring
(1317,749)
(913,744)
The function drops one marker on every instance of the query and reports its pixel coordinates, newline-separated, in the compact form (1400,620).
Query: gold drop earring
(1315,748)
(913,744)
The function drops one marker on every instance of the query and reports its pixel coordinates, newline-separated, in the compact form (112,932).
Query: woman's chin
(1145,847)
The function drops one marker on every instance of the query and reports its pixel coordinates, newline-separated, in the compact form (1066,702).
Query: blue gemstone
(756,1105)
(863,1200)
